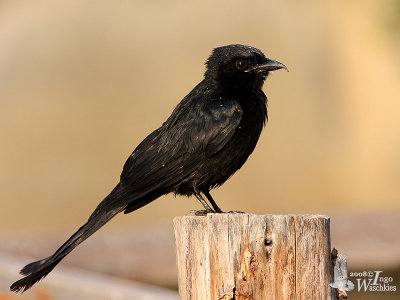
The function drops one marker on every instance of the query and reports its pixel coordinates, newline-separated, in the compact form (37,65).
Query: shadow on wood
(253,257)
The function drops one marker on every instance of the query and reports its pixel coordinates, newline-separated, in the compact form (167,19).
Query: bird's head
(240,66)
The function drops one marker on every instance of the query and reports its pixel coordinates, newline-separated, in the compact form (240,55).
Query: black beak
(269,65)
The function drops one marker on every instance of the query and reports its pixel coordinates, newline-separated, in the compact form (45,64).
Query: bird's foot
(199,212)
(206,212)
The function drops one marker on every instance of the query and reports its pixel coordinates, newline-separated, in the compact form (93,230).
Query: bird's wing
(175,150)
(340,270)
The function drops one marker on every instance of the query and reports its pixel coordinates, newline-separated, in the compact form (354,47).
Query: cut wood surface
(253,257)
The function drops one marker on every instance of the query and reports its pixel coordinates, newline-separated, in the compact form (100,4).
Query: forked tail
(37,270)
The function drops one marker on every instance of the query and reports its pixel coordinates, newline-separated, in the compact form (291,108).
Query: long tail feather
(37,270)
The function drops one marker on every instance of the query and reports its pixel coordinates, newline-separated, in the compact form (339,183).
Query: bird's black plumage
(207,138)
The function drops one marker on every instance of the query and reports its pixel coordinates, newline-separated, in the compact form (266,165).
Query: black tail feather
(36,271)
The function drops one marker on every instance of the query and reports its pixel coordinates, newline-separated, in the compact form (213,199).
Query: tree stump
(253,257)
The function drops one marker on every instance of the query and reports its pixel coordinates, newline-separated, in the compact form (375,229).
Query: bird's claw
(199,212)
(206,212)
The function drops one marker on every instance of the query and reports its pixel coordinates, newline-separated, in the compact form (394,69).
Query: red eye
(241,64)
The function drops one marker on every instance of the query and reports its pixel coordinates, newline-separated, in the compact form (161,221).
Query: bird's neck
(235,85)
(252,99)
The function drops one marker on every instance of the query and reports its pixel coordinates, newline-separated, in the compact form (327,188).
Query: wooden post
(253,257)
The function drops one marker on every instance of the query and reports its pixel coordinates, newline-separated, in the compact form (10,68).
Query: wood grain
(252,257)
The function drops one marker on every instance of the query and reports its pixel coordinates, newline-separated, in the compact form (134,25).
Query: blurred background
(83,82)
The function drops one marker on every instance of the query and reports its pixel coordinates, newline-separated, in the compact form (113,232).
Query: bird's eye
(241,64)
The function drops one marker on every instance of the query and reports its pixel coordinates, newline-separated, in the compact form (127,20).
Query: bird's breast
(242,143)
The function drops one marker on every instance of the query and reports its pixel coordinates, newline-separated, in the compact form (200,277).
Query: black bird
(207,138)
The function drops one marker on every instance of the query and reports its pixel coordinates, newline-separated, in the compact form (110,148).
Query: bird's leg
(213,203)
(202,201)
(215,206)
